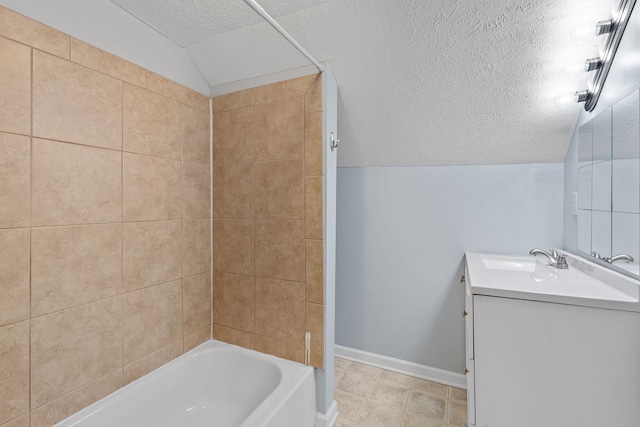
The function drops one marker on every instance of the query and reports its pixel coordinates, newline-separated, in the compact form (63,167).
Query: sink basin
(529,277)
(509,263)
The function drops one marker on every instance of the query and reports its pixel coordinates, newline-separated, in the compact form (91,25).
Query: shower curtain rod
(260,11)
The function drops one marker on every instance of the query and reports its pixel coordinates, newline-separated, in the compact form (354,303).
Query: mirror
(609,186)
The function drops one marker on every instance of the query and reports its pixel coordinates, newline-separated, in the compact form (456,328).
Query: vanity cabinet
(537,363)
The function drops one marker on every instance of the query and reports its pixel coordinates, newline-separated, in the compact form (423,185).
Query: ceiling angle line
(260,11)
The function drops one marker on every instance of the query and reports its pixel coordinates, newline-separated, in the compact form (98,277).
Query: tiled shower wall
(267,228)
(104,222)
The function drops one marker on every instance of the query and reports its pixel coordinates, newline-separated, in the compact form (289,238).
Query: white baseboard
(328,419)
(403,367)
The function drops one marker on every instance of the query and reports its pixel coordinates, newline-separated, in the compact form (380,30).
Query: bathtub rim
(293,374)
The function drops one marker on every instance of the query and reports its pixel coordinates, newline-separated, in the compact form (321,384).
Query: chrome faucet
(556,259)
(621,257)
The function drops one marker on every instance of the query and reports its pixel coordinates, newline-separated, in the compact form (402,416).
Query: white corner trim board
(424,372)
(328,419)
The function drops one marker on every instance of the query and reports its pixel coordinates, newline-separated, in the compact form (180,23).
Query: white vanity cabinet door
(553,365)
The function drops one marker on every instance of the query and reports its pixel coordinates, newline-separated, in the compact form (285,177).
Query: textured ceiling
(188,22)
(421,82)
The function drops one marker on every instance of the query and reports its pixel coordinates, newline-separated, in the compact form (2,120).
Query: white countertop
(527,277)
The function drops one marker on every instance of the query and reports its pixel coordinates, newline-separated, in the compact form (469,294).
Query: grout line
(30,229)
(211,214)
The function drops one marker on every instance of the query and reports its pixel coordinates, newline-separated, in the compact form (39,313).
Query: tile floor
(373,397)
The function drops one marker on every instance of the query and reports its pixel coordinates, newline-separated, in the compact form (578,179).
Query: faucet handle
(561,262)
(554,253)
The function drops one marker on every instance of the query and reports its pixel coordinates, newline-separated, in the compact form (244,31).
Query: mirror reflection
(609,186)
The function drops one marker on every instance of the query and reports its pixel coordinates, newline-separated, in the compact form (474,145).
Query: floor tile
(348,406)
(362,369)
(457,412)
(411,420)
(389,394)
(429,406)
(341,363)
(457,394)
(429,387)
(396,379)
(375,415)
(356,384)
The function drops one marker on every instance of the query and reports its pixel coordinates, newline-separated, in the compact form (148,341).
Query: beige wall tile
(195,339)
(280,249)
(196,246)
(280,130)
(196,192)
(261,94)
(196,302)
(233,336)
(15,86)
(152,361)
(233,301)
(315,271)
(23,421)
(173,90)
(233,133)
(233,190)
(73,184)
(233,245)
(152,318)
(75,104)
(152,124)
(97,59)
(299,86)
(152,188)
(14,371)
(313,144)
(71,266)
(76,400)
(286,349)
(14,180)
(280,309)
(313,97)
(25,30)
(195,134)
(313,207)
(73,347)
(151,253)
(14,275)
(315,325)
(279,189)
(225,102)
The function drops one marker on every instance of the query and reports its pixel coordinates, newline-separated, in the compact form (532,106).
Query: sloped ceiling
(438,82)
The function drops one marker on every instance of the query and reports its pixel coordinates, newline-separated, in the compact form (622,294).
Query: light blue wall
(402,234)
(623,78)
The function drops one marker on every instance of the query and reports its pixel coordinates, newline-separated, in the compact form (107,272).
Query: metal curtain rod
(260,11)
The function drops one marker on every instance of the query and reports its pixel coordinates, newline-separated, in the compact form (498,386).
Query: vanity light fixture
(592,64)
(615,29)
(604,27)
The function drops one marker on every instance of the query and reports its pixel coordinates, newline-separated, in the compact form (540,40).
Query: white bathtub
(213,385)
